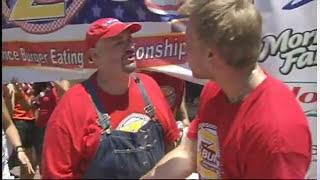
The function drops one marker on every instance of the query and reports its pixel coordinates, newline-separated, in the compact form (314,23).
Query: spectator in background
(18,97)
(193,92)
(46,99)
(10,131)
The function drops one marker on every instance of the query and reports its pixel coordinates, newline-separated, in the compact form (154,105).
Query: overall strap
(149,108)
(104,117)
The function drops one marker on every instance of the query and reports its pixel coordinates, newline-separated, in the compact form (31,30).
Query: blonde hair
(232,26)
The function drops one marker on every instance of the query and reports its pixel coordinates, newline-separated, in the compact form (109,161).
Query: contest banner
(157,50)
(288,52)
(44,36)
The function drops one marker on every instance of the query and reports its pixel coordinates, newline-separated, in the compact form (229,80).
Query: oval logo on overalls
(133,122)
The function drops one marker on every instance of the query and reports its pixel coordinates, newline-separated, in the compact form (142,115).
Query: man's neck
(115,84)
(239,84)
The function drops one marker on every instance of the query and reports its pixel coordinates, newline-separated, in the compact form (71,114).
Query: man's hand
(10,89)
(178,163)
(25,161)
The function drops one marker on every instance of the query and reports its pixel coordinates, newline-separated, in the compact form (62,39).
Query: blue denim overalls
(123,155)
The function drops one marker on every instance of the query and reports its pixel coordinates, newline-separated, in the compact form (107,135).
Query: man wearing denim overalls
(116,124)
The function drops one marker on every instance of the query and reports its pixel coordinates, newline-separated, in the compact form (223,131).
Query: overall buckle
(149,110)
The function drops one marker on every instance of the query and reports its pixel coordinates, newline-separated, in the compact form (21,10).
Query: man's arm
(59,157)
(13,135)
(170,146)
(179,163)
(183,109)
(8,95)
(62,86)
(9,127)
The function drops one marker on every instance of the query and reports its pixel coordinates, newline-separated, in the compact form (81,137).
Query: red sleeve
(278,165)
(193,129)
(170,127)
(272,156)
(59,155)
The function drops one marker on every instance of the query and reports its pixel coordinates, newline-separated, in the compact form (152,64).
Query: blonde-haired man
(249,124)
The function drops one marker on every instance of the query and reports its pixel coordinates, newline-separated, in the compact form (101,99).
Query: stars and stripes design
(124,10)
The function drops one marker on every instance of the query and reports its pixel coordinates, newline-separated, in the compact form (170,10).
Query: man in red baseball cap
(116,124)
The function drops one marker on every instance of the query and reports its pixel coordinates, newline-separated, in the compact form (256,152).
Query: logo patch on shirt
(133,122)
(208,152)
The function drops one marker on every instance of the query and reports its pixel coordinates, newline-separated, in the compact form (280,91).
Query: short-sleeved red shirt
(266,136)
(47,103)
(73,134)
(19,112)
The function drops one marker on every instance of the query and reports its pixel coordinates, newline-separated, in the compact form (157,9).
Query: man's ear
(92,56)
(211,55)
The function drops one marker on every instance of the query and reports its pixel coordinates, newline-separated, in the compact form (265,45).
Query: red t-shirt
(172,88)
(266,136)
(73,133)
(19,112)
(47,103)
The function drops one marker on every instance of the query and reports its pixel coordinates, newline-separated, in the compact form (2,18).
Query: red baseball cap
(107,28)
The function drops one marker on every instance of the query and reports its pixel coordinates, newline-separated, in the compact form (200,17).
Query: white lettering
(295,41)
(163,50)
(33,57)
(299,57)
(66,57)
(10,55)
(182,51)
(140,53)
(150,51)
(159,52)
(297,50)
(166,46)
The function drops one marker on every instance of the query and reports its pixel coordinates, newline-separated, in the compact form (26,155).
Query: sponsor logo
(293,4)
(40,16)
(208,156)
(133,122)
(296,50)
(303,96)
